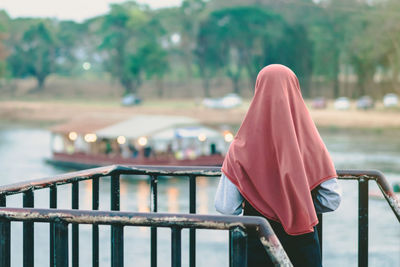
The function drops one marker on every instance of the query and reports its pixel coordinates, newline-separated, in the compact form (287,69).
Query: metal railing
(238,226)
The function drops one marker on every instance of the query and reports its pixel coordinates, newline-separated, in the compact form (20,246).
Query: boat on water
(140,140)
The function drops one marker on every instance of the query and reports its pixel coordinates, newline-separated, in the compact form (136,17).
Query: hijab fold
(278,156)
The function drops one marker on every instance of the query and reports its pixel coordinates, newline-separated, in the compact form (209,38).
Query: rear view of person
(278,167)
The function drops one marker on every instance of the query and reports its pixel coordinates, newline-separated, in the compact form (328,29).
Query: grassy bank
(52,111)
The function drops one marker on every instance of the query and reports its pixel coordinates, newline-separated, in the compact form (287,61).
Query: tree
(155,56)
(361,51)
(132,43)
(35,54)
(240,38)
(208,57)
(385,28)
(70,37)
(156,64)
(119,27)
(298,57)
(190,13)
(3,36)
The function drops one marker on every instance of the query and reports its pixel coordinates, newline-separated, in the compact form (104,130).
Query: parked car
(319,103)
(229,101)
(342,103)
(131,100)
(365,102)
(390,100)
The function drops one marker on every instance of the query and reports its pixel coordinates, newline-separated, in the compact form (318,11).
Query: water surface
(22,153)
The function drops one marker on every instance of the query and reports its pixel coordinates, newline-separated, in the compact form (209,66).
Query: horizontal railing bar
(155,170)
(261,225)
(107,171)
(133,218)
(185,171)
(382,182)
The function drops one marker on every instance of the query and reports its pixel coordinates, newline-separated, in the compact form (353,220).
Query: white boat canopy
(144,125)
(187,132)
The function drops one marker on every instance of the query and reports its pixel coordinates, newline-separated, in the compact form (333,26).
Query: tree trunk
(206,86)
(336,74)
(235,83)
(160,87)
(40,81)
(128,86)
(235,78)
(40,84)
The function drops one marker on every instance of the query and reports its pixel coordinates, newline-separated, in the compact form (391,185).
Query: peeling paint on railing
(261,225)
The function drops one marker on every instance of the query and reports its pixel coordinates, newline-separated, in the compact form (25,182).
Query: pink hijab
(277,156)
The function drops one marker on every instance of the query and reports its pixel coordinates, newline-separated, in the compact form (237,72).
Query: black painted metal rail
(57,228)
(238,227)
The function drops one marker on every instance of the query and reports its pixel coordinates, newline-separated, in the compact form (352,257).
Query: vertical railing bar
(75,226)
(117,251)
(192,232)
(5,240)
(176,249)
(28,232)
(95,227)
(61,244)
(53,205)
(363,222)
(117,233)
(115,192)
(230,247)
(237,247)
(153,230)
(319,230)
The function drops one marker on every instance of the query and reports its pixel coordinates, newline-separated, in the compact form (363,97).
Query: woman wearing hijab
(278,167)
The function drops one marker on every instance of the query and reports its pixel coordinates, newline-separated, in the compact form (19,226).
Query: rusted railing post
(5,239)
(117,231)
(153,230)
(53,205)
(362,222)
(176,248)
(61,244)
(28,233)
(95,227)
(237,247)
(75,226)
(192,232)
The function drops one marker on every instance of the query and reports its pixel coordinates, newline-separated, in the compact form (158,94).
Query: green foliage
(320,40)
(133,45)
(248,38)
(70,39)
(4,20)
(35,54)
(386,44)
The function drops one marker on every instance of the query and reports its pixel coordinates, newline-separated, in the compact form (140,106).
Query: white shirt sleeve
(228,199)
(327,196)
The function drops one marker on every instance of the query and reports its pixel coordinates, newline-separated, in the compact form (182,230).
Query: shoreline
(47,113)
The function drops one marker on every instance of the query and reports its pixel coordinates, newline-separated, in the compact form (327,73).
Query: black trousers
(303,250)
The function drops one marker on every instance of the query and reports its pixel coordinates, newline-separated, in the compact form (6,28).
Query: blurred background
(107,61)
(197,48)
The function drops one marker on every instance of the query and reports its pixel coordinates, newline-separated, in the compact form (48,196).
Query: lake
(22,154)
